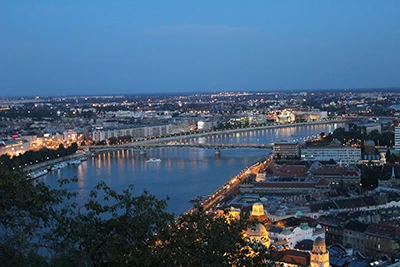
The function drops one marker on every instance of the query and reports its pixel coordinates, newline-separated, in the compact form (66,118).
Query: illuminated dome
(258,233)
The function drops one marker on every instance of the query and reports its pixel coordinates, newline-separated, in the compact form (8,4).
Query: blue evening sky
(145,46)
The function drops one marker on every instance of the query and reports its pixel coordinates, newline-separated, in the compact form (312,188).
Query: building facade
(319,256)
(13,147)
(397,137)
(285,149)
(100,134)
(354,236)
(380,239)
(345,155)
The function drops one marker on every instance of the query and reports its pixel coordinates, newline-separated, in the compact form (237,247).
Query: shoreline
(46,164)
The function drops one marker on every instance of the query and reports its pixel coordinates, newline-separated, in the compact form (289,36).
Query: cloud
(196,30)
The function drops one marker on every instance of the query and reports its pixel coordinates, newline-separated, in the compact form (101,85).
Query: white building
(291,236)
(344,154)
(285,116)
(100,134)
(397,137)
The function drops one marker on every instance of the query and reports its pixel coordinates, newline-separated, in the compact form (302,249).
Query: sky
(149,46)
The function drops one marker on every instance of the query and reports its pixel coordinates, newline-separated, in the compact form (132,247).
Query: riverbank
(48,163)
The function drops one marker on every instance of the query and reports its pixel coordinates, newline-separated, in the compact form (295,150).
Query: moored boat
(37,174)
(153,160)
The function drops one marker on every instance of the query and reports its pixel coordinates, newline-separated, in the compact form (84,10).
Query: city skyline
(60,48)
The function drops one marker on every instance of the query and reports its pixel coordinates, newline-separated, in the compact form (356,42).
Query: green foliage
(26,210)
(40,226)
(371,175)
(356,135)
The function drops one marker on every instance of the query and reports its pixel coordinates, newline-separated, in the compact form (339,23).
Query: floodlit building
(319,256)
(285,117)
(344,154)
(259,234)
(13,147)
(100,134)
(261,176)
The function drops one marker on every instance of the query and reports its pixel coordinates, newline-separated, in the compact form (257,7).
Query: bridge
(143,148)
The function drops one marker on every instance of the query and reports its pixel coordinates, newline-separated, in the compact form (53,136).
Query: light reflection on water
(184,173)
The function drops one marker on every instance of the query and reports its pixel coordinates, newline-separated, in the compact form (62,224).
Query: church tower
(257,213)
(319,256)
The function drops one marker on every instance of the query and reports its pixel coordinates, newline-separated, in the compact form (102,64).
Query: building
(286,149)
(333,227)
(319,256)
(99,134)
(397,137)
(13,147)
(258,234)
(294,258)
(313,115)
(354,237)
(344,154)
(336,174)
(285,116)
(261,176)
(380,239)
(290,236)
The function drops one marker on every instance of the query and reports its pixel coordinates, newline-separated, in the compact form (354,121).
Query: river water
(183,173)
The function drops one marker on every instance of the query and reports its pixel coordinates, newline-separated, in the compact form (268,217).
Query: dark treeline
(356,135)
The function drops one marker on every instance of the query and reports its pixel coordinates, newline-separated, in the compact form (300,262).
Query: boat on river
(153,160)
(75,162)
(59,166)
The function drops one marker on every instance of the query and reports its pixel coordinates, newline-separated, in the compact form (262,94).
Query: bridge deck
(205,146)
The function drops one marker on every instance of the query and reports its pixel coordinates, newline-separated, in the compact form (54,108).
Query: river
(183,173)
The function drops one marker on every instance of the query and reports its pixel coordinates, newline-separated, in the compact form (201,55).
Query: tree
(113,140)
(72,148)
(112,229)
(393,158)
(198,239)
(26,210)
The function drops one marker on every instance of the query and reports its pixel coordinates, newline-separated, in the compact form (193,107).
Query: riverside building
(397,137)
(344,154)
(286,149)
(100,133)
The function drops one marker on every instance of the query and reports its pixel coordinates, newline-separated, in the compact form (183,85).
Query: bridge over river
(143,148)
